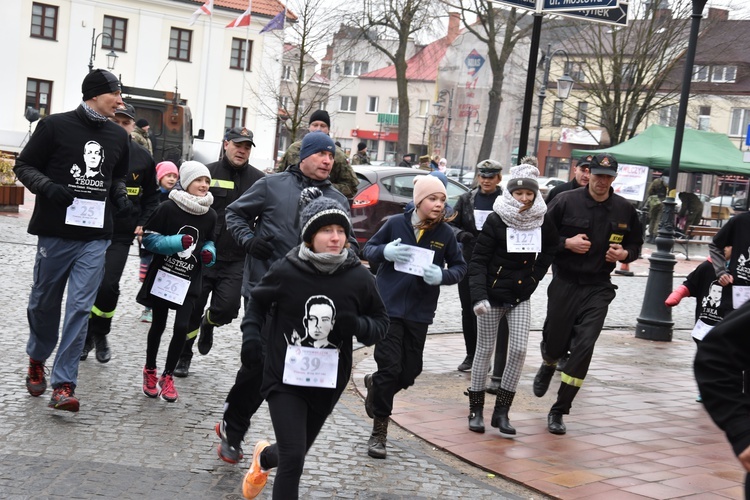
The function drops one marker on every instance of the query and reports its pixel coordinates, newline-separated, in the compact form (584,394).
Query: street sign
(555,5)
(617,16)
(524,4)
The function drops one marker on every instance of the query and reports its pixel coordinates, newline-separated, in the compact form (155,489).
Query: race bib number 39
(311,367)
(170,287)
(86,213)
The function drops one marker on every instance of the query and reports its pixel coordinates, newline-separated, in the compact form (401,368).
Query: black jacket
(571,184)
(227,184)
(464,224)
(507,278)
(143,193)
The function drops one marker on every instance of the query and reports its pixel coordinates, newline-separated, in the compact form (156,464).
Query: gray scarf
(508,208)
(326,263)
(93,115)
(196,205)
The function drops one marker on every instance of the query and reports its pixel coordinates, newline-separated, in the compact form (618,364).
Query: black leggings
(179,333)
(296,428)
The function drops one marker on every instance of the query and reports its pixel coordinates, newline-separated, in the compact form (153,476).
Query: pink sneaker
(150,380)
(167,390)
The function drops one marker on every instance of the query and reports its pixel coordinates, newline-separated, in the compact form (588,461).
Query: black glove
(59,194)
(123,207)
(466,238)
(251,353)
(347,325)
(260,248)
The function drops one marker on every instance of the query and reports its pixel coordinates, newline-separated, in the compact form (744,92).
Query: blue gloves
(433,275)
(395,252)
(208,254)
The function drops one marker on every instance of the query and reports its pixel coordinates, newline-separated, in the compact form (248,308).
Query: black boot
(542,379)
(87,346)
(476,411)
(466,364)
(182,369)
(206,338)
(376,443)
(103,354)
(500,415)
(562,362)
(494,385)
(555,424)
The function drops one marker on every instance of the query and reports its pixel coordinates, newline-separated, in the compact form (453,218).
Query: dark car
(385,191)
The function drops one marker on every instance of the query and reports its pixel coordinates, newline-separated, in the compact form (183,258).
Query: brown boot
(376,443)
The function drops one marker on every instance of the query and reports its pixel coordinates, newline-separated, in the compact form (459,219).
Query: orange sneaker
(255,479)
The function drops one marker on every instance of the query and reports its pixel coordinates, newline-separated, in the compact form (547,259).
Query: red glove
(187,240)
(675,297)
(206,257)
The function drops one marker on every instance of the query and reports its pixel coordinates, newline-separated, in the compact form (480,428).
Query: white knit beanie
(191,170)
(425,185)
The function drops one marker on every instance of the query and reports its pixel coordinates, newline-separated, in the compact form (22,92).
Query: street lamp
(111,56)
(564,86)
(655,321)
(466,133)
(424,130)
(438,106)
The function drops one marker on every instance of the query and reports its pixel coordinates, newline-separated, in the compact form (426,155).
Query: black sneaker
(182,369)
(228,453)
(206,338)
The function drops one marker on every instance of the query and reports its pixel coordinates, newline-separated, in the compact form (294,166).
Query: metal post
(94,39)
(542,96)
(463,154)
(450,117)
(528,101)
(655,321)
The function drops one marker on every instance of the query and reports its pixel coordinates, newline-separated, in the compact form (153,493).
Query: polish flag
(244,19)
(206,8)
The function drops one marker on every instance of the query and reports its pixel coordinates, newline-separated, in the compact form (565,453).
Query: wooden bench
(693,235)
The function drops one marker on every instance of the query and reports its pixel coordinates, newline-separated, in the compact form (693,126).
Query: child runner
(317,297)
(177,234)
(512,254)
(408,278)
(166,178)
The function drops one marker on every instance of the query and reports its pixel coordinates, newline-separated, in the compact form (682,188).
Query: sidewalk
(635,430)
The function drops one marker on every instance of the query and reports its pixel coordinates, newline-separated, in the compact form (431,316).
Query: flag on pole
(277,23)
(244,19)
(206,8)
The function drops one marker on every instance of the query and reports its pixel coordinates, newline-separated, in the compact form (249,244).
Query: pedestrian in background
(511,256)
(179,235)
(410,294)
(581,176)
(75,162)
(691,210)
(656,193)
(141,136)
(360,157)
(332,297)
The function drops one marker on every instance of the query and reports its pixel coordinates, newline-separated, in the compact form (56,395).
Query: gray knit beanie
(523,177)
(322,212)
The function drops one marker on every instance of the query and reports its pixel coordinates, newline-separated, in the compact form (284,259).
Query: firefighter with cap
(230,177)
(581,178)
(597,229)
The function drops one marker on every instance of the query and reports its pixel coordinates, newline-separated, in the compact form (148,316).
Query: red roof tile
(422,66)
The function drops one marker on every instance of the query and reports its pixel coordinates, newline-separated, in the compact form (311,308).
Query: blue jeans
(80,265)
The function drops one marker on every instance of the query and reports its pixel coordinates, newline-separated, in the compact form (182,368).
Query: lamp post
(111,56)
(655,321)
(564,86)
(466,133)
(437,106)
(424,130)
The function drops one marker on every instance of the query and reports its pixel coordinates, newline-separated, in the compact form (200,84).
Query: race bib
(170,287)
(311,367)
(740,295)
(86,213)
(479,217)
(524,240)
(700,330)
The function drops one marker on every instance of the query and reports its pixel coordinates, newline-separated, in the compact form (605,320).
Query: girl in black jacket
(512,254)
(316,298)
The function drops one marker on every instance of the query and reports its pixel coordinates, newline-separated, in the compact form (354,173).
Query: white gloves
(433,275)
(395,252)
(482,307)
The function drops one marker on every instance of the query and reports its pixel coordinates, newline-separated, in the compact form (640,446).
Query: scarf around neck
(508,208)
(93,115)
(326,263)
(196,205)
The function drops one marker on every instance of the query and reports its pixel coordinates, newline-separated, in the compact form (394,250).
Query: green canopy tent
(702,152)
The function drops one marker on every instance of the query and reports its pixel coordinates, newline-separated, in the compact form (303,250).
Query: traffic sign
(555,5)
(617,16)
(524,4)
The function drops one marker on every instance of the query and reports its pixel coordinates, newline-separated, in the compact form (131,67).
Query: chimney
(454,26)
(716,14)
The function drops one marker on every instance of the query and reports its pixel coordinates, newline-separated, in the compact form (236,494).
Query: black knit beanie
(99,82)
(322,212)
(321,115)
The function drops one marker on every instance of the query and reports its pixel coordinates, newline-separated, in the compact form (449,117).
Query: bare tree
(383,21)
(499,29)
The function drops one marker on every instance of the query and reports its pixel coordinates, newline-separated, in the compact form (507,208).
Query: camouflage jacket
(342,176)
(140,136)
(360,159)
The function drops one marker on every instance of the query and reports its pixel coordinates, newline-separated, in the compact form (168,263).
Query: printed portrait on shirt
(318,320)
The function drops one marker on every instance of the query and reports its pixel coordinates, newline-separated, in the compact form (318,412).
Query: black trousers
(179,333)
(100,321)
(296,428)
(399,359)
(223,282)
(573,311)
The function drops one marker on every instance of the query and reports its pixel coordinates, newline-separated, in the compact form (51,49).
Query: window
(355,68)
(39,95)
(704,117)
(232,118)
(739,122)
(179,44)
(628,73)
(284,102)
(575,70)
(583,108)
(668,116)
(372,104)
(286,73)
(424,107)
(117,29)
(723,74)
(322,105)
(348,103)
(44,21)
(557,112)
(700,73)
(238,54)
(393,105)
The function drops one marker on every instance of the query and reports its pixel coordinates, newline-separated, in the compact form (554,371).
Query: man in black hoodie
(74,221)
(230,177)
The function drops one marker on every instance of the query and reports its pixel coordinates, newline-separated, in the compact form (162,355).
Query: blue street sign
(617,16)
(554,5)
(747,136)
(524,4)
